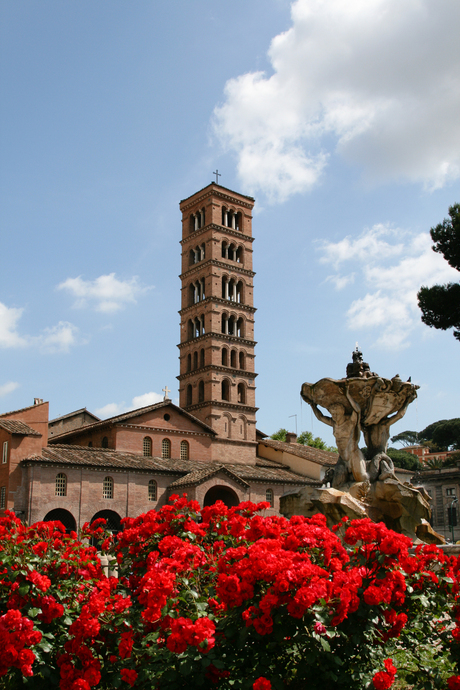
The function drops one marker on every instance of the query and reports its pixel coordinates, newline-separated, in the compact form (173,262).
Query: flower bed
(229,599)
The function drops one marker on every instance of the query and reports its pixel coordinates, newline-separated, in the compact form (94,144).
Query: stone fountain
(358,487)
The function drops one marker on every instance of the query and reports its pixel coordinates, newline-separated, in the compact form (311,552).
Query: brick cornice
(230,371)
(223,404)
(231,266)
(217,191)
(228,304)
(218,336)
(223,229)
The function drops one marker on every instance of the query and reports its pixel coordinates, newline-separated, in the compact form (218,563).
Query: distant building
(443,487)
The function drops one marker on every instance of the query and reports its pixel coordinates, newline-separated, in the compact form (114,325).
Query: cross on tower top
(217,174)
(166,391)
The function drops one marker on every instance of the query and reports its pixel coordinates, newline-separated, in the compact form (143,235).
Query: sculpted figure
(346,428)
(376,437)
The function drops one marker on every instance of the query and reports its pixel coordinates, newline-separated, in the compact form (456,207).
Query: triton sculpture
(358,486)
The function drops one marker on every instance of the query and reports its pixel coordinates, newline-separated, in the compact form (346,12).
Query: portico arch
(221,493)
(63,516)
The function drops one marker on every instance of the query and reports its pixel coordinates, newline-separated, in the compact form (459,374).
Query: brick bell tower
(217,379)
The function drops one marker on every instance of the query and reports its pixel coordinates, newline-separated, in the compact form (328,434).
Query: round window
(166,417)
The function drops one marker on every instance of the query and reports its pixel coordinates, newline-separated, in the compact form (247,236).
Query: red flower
(129,676)
(262,684)
(454,683)
(384,679)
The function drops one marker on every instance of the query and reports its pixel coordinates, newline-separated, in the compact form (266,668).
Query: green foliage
(407,438)
(442,435)
(406,461)
(440,304)
(279,435)
(306,438)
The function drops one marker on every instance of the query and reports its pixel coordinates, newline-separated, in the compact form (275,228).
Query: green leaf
(32,612)
(23,589)
(325,644)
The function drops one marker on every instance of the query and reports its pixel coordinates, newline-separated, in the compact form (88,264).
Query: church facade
(78,468)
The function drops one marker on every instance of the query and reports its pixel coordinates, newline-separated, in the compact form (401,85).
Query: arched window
(224,357)
(241,360)
(201,391)
(191,329)
(191,260)
(240,292)
(189,362)
(224,250)
(152,490)
(239,255)
(147,447)
(90,444)
(201,358)
(241,393)
(184,450)
(233,359)
(107,487)
(195,360)
(240,328)
(105,442)
(231,326)
(269,497)
(238,224)
(225,390)
(60,485)
(189,394)
(166,448)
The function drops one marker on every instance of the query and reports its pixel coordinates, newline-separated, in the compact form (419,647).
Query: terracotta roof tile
(320,457)
(191,471)
(129,415)
(14,426)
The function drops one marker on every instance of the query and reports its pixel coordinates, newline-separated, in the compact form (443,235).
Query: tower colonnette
(217,376)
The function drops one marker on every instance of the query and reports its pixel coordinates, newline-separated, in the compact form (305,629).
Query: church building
(77,468)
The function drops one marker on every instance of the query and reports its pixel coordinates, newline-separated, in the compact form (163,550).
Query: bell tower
(217,378)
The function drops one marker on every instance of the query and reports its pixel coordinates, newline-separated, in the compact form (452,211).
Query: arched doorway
(221,493)
(63,516)
(113,520)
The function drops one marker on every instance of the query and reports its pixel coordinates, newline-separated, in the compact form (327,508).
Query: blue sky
(339,117)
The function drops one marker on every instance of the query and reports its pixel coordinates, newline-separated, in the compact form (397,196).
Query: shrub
(229,599)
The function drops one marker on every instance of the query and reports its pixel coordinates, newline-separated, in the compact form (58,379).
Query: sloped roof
(23,409)
(13,426)
(192,471)
(320,457)
(118,419)
(199,475)
(72,414)
(104,457)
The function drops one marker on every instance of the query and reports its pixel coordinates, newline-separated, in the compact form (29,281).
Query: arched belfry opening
(217,314)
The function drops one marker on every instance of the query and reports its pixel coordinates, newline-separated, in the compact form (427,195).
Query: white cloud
(9,336)
(146,399)
(367,246)
(113,409)
(8,388)
(389,307)
(106,293)
(58,338)
(375,81)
